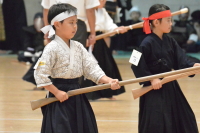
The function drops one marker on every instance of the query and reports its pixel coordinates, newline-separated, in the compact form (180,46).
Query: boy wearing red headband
(164,109)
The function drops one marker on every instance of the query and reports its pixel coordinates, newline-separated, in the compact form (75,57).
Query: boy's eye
(169,20)
(73,22)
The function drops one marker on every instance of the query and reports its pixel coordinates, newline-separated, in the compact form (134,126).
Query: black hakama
(165,110)
(74,115)
(29,75)
(14,15)
(107,63)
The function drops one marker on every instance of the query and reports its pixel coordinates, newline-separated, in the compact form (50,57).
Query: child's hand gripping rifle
(141,91)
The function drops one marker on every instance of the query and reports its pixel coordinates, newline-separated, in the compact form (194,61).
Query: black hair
(157,8)
(38,15)
(196,16)
(59,8)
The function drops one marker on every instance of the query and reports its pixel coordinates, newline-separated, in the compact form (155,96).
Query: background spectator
(14,19)
(182,28)
(33,40)
(134,37)
(193,43)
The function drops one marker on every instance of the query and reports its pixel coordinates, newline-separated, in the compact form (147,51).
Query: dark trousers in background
(81,34)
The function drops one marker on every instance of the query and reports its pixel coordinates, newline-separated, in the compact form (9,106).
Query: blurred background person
(117,42)
(193,43)
(182,28)
(103,55)
(33,40)
(111,7)
(34,44)
(124,5)
(14,16)
(134,37)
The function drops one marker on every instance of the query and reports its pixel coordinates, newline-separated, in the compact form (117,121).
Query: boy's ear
(57,24)
(156,22)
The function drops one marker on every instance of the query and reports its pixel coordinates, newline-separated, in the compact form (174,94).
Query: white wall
(33,6)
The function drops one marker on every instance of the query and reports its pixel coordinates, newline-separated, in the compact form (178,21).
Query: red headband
(163,14)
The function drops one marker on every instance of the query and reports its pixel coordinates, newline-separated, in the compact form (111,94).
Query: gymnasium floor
(120,116)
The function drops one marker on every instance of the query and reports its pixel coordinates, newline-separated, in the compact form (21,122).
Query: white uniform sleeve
(109,24)
(193,37)
(91,4)
(91,69)
(46,4)
(46,64)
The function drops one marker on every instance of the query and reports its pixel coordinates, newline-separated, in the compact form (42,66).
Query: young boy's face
(68,28)
(38,24)
(165,25)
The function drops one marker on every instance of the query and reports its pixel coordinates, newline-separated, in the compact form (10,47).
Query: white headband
(134,9)
(59,17)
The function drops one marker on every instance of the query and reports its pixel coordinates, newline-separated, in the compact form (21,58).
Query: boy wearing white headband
(65,61)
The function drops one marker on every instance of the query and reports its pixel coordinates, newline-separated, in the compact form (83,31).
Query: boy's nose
(75,26)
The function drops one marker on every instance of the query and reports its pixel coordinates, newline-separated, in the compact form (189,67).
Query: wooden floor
(120,116)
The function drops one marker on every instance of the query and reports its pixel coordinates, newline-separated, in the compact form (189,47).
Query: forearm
(45,14)
(91,20)
(113,82)
(60,95)
(105,79)
(52,89)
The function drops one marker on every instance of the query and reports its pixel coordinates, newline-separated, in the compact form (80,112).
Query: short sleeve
(109,25)
(44,67)
(193,37)
(91,69)
(46,4)
(91,3)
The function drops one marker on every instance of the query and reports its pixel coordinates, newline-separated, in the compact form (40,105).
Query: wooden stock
(42,102)
(141,91)
(136,26)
